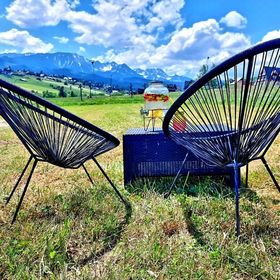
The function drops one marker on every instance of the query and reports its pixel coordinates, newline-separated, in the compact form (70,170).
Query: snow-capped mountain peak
(70,64)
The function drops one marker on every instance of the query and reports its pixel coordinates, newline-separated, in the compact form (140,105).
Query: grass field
(32,83)
(68,229)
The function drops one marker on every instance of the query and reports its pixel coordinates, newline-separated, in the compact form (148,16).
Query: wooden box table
(152,154)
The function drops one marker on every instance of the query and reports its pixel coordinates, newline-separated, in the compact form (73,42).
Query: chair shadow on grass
(113,237)
(215,186)
(193,186)
(76,207)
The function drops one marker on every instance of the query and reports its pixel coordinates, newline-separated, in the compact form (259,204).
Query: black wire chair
(51,134)
(239,100)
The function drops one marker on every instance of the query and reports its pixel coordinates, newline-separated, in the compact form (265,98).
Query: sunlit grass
(71,230)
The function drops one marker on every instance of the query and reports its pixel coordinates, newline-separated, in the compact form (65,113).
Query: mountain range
(79,67)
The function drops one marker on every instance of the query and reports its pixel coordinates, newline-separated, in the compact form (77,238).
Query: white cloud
(61,40)
(121,24)
(124,25)
(9,51)
(82,49)
(24,41)
(108,28)
(271,35)
(34,13)
(137,56)
(187,49)
(166,12)
(132,29)
(74,3)
(234,19)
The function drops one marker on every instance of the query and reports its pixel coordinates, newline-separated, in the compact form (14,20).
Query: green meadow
(70,229)
(40,85)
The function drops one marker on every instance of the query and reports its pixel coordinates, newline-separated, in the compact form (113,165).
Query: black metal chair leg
(176,177)
(236,187)
(111,183)
(247,174)
(153,123)
(24,190)
(146,127)
(270,173)
(88,174)
(19,179)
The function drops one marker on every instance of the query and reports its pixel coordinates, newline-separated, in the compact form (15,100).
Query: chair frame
(200,83)
(77,123)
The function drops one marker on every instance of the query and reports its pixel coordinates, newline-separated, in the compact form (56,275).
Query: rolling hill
(77,66)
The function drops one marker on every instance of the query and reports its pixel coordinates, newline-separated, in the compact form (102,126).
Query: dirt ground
(3,123)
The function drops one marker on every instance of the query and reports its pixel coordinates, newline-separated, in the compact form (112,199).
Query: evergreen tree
(214,82)
(130,89)
(62,92)
(202,71)
(187,84)
(90,88)
(81,91)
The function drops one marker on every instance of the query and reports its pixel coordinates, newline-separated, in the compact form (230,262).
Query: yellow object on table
(156,113)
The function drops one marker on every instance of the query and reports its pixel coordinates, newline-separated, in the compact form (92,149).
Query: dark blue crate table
(152,154)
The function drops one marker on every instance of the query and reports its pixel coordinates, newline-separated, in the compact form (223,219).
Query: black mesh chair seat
(231,115)
(51,134)
(257,138)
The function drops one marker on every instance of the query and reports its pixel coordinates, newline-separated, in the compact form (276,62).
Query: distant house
(260,79)
(7,71)
(140,91)
(19,73)
(238,81)
(171,87)
(272,73)
(187,84)
(268,74)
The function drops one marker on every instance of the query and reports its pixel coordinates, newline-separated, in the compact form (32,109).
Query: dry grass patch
(68,229)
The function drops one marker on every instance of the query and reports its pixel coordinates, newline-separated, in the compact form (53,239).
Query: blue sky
(175,35)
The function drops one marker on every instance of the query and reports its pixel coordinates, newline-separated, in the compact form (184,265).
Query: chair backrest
(239,99)
(49,132)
